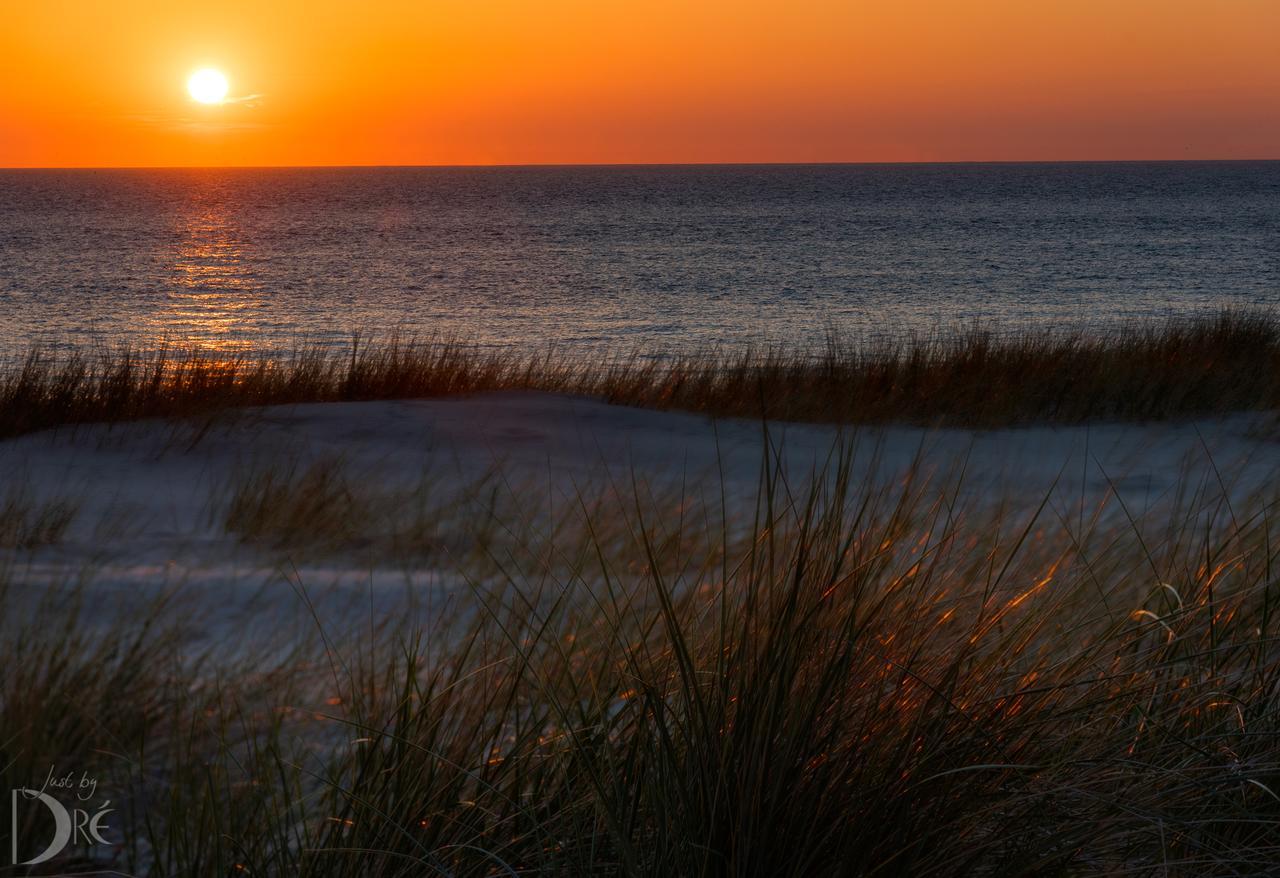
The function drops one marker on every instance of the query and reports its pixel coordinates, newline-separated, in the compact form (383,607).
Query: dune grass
(28,521)
(843,678)
(1224,362)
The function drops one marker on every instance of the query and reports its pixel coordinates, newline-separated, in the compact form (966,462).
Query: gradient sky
(567,81)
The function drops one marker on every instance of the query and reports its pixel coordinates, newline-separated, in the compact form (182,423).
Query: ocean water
(650,257)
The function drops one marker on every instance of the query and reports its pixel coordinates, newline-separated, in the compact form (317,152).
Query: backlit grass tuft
(1179,369)
(841,678)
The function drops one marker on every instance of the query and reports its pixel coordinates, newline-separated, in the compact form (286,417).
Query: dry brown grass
(1226,362)
(1229,362)
(295,504)
(324,507)
(28,521)
(873,680)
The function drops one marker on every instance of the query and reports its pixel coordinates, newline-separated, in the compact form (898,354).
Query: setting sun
(405,82)
(208,86)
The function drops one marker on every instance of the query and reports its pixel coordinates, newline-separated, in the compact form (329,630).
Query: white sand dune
(151,502)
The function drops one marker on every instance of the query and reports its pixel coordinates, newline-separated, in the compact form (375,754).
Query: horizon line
(728,164)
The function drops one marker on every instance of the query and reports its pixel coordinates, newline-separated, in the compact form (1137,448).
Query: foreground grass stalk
(862,679)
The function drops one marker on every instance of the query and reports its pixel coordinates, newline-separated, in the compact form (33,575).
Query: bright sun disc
(207,86)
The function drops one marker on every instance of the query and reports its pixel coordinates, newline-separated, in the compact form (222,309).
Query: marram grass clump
(1177,369)
(837,678)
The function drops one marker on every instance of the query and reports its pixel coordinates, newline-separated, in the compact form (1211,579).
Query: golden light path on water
(213,292)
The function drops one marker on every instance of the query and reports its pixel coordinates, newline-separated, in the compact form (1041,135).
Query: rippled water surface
(623,256)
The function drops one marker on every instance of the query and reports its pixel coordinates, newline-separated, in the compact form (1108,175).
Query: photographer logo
(61,808)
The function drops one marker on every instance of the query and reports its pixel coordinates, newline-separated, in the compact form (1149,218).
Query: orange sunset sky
(569,81)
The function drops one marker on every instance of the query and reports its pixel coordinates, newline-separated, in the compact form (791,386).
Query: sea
(632,258)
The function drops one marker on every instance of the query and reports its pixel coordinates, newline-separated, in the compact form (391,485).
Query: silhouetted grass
(856,679)
(28,521)
(1227,362)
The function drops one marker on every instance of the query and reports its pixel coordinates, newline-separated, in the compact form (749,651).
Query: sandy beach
(150,498)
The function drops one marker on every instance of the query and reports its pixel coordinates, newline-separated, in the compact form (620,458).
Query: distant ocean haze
(623,257)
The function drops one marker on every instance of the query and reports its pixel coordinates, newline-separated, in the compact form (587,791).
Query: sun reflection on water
(213,295)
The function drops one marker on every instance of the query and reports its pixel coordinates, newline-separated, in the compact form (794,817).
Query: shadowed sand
(155,502)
